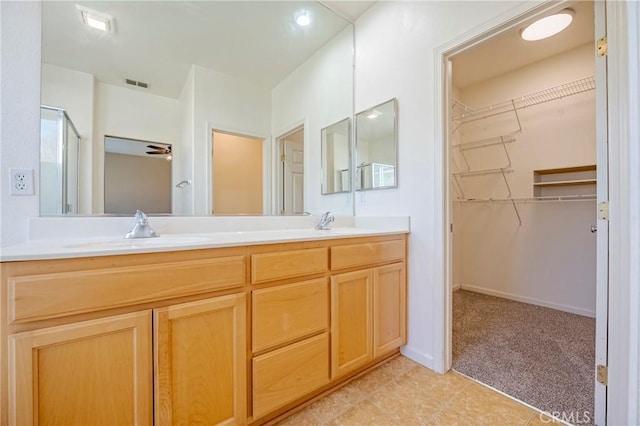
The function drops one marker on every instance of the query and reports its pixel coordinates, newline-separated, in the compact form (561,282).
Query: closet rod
(497,140)
(537,98)
(484,172)
(560,198)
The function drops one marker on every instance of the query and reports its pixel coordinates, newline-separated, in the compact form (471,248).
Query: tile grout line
(444,406)
(537,410)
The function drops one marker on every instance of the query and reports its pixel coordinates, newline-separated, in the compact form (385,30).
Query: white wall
(135,182)
(550,259)
(318,94)
(20,112)
(226,103)
(73,91)
(395,44)
(182,199)
(133,114)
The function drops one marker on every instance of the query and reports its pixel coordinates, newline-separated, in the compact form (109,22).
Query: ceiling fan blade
(156,153)
(156,147)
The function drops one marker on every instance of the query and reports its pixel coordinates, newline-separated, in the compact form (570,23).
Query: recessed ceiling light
(303,19)
(548,26)
(94,19)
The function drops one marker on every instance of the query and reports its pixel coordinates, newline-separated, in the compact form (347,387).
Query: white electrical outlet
(21,181)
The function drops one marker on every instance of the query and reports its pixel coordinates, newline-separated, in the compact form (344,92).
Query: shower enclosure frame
(62,162)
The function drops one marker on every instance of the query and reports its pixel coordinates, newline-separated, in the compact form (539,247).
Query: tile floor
(402,392)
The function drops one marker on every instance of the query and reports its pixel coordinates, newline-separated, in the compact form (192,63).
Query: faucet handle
(326,215)
(141,218)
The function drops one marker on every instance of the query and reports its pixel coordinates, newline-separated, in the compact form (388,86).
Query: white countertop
(58,248)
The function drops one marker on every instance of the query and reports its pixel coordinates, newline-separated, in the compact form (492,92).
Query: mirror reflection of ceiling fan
(159,150)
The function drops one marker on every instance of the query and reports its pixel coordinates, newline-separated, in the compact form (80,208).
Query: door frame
(602,226)
(443,261)
(266,164)
(623,103)
(278,173)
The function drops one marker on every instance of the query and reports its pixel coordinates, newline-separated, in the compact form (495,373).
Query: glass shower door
(59,145)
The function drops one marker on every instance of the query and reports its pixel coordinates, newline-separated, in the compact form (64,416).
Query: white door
(602,242)
(293,173)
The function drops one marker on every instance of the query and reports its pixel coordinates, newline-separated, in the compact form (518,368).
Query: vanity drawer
(287,374)
(287,312)
(37,297)
(354,255)
(288,264)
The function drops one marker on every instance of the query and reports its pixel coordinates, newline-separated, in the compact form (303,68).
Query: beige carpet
(538,355)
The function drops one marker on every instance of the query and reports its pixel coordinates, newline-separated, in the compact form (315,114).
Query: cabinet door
(200,362)
(389,308)
(351,344)
(91,372)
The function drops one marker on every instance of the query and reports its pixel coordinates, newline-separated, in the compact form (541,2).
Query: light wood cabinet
(351,340)
(200,362)
(235,335)
(389,308)
(284,313)
(283,375)
(91,372)
(288,264)
(44,296)
(368,320)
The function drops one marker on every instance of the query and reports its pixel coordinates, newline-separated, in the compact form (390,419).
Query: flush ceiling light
(548,26)
(94,19)
(373,114)
(303,19)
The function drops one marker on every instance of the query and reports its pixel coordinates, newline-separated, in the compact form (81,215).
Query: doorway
(237,174)
(137,176)
(524,180)
(291,172)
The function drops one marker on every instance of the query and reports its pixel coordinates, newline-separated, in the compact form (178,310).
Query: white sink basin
(137,242)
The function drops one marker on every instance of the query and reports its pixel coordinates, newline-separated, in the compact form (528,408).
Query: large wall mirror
(176,71)
(376,147)
(336,157)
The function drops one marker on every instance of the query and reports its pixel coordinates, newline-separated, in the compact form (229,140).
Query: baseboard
(417,356)
(530,300)
(456,287)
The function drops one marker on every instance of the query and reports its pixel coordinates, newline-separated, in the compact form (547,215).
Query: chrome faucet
(325,221)
(141,228)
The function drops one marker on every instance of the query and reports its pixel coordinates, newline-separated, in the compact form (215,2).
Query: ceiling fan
(159,150)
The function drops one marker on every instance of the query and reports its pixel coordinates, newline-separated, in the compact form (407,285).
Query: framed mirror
(336,157)
(376,147)
(167,70)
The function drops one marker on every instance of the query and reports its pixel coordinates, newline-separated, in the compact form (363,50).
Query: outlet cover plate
(21,181)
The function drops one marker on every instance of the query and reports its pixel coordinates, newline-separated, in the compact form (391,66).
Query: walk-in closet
(523,188)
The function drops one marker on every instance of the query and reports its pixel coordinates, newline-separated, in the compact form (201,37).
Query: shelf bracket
(513,203)
(459,187)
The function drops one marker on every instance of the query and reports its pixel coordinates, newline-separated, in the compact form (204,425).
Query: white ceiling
(508,51)
(349,9)
(157,41)
(116,145)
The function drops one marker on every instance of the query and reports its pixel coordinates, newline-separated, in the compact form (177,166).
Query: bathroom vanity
(211,333)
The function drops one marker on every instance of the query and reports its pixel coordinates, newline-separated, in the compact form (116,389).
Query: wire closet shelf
(525,200)
(462,114)
(537,98)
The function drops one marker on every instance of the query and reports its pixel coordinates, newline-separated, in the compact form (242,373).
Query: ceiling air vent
(136,83)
